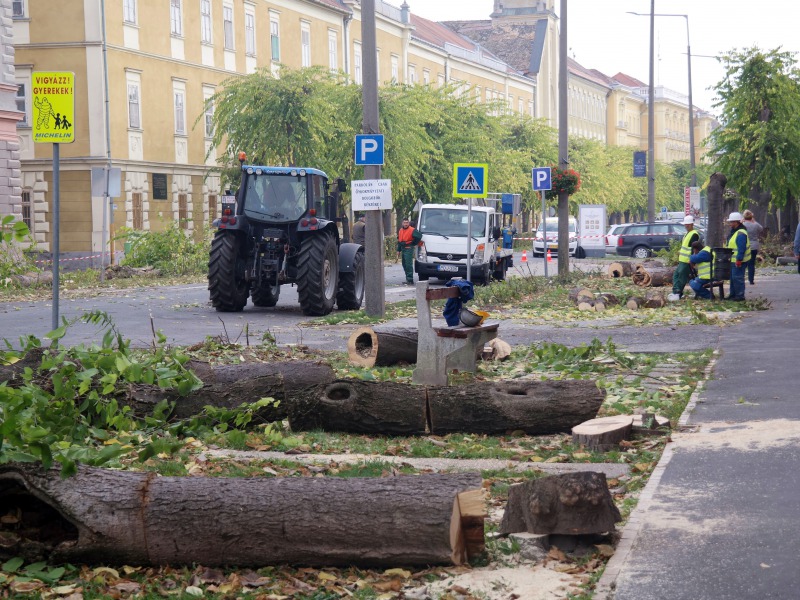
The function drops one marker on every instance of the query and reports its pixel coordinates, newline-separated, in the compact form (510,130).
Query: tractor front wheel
(226,283)
(318,274)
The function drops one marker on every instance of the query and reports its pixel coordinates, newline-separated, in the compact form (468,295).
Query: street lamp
(692,165)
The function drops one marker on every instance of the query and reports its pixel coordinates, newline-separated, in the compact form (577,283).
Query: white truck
(444,251)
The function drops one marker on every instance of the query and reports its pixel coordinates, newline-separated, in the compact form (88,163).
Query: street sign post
(369,149)
(470,181)
(541,178)
(53,95)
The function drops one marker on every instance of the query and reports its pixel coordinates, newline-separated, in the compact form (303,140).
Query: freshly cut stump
(604,433)
(570,504)
(125,517)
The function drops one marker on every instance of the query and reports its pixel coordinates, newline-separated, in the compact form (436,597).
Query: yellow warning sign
(53,107)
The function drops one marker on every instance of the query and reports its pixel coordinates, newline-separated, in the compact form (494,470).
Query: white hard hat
(735,216)
(688,220)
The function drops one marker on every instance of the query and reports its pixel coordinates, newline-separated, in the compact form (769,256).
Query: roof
(592,75)
(628,80)
(438,34)
(517,44)
(336,4)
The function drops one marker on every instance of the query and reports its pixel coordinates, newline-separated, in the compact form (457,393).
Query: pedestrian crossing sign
(53,107)
(470,180)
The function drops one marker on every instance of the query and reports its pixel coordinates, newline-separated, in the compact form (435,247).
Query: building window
(180,113)
(395,68)
(22,103)
(440,80)
(412,74)
(305,44)
(183,211)
(426,76)
(134,116)
(138,210)
(175,17)
(275,37)
(212,207)
(357,64)
(206,35)
(333,51)
(208,111)
(227,26)
(250,34)
(26,208)
(129,11)
(18,8)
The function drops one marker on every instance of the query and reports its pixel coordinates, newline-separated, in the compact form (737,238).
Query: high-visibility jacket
(704,268)
(733,246)
(686,246)
(405,238)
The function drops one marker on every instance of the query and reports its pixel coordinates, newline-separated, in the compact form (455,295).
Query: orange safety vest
(404,237)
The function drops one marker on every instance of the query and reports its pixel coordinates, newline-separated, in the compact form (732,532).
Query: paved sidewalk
(719,518)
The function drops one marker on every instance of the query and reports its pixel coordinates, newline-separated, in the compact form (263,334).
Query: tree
(758,144)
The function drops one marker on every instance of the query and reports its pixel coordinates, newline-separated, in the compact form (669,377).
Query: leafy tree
(758,145)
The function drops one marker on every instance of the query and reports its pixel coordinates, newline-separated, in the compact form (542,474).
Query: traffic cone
(524,256)
(549,256)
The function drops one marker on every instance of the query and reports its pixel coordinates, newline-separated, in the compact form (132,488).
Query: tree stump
(604,433)
(124,517)
(355,406)
(570,504)
(535,407)
(382,347)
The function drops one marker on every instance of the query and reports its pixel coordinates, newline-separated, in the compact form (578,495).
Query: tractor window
(275,198)
(318,195)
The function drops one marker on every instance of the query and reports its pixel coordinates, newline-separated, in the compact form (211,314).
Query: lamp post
(692,164)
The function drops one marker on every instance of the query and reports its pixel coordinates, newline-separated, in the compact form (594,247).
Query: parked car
(640,240)
(539,246)
(611,237)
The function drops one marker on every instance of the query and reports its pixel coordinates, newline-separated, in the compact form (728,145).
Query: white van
(541,245)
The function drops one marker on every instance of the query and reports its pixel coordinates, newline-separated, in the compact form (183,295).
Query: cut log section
(496,349)
(654,299)
(535,407)
(570,504)
(608,298)
(122,517)
(382,347)
(576,293)
(586,305)
(604,433)
(648,276)
(635,302)
(355,406)
(623,268)
(599,305)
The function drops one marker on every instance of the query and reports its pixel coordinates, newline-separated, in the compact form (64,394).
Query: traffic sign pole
(56,226)
(541,181)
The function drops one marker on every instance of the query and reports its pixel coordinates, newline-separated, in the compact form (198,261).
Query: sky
(602,36)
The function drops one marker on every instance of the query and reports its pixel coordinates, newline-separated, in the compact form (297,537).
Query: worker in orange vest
(405,248)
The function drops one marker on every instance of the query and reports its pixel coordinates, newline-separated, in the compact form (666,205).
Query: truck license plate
(449,268)
(553,246)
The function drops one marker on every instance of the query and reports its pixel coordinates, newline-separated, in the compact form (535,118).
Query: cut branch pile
(586,300)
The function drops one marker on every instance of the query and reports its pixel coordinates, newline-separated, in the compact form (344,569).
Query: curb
(608,581)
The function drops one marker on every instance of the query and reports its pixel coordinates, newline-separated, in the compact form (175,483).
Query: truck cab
(443,253)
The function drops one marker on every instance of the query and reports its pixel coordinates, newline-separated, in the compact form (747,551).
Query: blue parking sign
(369,149)
(541,178)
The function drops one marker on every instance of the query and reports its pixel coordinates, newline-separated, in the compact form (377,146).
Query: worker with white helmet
(739,242)
(683,271)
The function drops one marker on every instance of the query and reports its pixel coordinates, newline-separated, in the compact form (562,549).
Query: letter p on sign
(369,149)
(541,179)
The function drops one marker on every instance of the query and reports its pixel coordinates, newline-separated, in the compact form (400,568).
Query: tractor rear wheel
(351,286)
(226,283)
(266,294)
(318,274)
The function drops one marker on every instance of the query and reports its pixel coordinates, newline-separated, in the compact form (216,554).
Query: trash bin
(721,269)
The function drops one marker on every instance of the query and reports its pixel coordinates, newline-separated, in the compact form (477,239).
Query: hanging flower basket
(567,180)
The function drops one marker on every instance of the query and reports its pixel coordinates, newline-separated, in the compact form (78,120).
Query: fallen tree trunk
(535,407)
(355,406)
(570,504)
(646,276)
(382,347)
(124,517)
(229,386)
(622,268)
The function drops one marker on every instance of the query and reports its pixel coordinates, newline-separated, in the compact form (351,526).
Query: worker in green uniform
(683,271)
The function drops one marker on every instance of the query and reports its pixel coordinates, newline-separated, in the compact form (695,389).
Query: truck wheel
(317,274)
(266,295)
(351,286)
(226,283)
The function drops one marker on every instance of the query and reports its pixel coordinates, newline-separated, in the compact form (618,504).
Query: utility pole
(374,286)
(651,117)
(563,147)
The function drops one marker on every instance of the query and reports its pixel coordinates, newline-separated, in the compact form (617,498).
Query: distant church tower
(521,11)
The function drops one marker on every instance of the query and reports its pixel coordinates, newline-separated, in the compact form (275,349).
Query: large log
(646,276)
(622,268)
(229,386)
(382,346)
(535,407)
(356,406)
(570,504)
(123,517)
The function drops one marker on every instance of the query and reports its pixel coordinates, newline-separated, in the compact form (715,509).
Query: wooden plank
(463,332)
(442,293)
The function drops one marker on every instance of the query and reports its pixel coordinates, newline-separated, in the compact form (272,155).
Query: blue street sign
(469,180)
(541,178)
(663,209)
(369,149)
